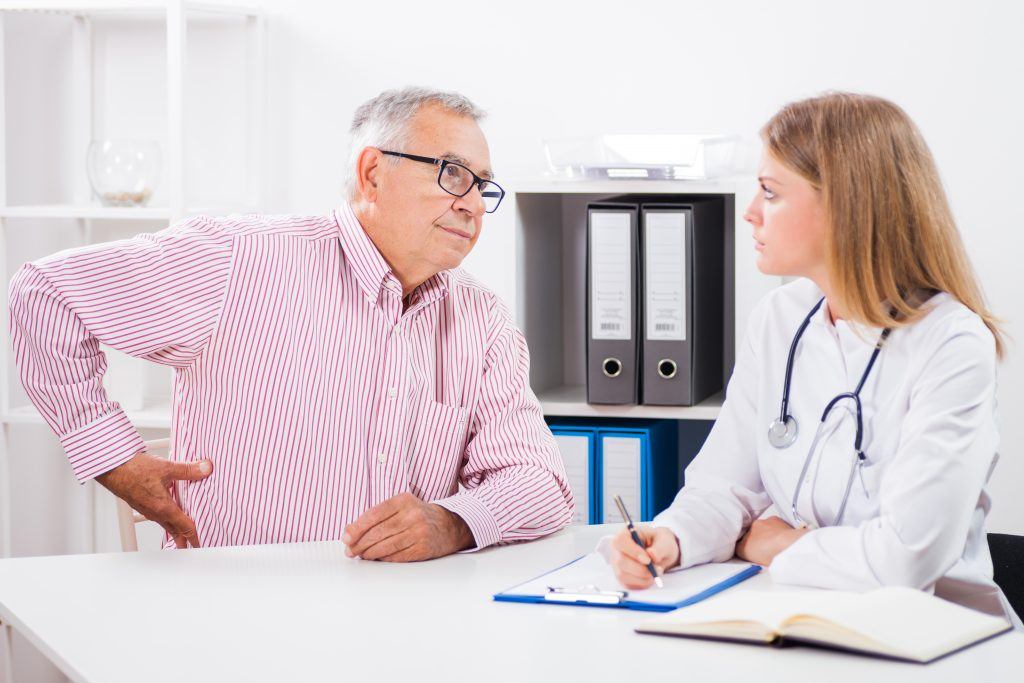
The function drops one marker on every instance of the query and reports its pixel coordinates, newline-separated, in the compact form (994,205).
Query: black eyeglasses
(457,180)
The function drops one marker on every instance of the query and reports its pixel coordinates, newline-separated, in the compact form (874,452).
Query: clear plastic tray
(645,157)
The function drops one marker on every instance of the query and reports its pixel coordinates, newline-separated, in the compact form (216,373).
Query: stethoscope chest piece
(782,432)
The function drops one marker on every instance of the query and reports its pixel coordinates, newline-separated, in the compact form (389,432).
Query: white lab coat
(916,516)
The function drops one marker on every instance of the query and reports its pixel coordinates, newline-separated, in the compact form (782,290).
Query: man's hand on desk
(145,481)
(765,539)
(406,529)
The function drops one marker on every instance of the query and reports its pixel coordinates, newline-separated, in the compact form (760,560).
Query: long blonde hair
(891,233)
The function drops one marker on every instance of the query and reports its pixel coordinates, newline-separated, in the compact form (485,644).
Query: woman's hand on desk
(765,539)
(630,560)
(406,529)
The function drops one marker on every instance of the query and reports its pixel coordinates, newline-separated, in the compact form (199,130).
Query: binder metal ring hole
(667,368)
(612,367)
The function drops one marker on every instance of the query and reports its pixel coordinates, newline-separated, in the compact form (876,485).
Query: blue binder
(583,483)
(654,444)
(639,457)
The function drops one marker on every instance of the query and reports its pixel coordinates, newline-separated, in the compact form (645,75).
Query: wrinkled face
(789,223)
(428,229)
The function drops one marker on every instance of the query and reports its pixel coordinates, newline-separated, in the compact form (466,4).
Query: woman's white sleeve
(723,492)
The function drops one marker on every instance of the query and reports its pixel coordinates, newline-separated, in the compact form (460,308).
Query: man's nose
(472,202)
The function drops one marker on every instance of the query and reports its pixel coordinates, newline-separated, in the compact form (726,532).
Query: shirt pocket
(438,444)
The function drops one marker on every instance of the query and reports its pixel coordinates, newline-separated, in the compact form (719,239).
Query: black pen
(636,539)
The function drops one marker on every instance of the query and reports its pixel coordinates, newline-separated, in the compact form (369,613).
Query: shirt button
(382,458)
(397,329)
(392,393)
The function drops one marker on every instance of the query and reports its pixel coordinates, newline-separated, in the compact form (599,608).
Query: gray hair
(384,121)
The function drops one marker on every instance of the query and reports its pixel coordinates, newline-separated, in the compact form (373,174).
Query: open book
(901,623)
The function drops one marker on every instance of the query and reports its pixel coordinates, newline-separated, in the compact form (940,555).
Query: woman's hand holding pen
(630,560)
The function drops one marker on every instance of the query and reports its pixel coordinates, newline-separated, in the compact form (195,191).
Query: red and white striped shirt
(297,372)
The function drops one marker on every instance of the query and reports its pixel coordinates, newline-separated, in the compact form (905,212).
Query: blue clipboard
(592,596)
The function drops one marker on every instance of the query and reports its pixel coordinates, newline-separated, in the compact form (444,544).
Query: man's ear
(367,170)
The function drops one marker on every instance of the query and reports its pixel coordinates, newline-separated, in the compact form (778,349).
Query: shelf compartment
(550,229)
(571,401)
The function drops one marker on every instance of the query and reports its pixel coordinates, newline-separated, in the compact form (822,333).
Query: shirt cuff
(477,517)
(102,445)
(691,553)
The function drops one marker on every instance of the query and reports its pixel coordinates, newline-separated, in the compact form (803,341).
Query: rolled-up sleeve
(514,485)
(155,296)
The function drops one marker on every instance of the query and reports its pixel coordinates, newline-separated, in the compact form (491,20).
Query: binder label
(665,266)
(611,285)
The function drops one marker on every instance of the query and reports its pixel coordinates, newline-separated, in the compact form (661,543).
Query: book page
(770,608)
(898,621)
(912,623)
(593,571)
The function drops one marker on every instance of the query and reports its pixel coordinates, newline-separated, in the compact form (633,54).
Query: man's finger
(181,525)
(371,518)
(409,554)
(388,528)
(390,546)
(188,471)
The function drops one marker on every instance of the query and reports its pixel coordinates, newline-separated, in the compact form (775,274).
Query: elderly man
(336,376)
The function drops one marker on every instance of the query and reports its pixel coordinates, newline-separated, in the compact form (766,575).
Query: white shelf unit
(76,217)
(550,256)
(110,213)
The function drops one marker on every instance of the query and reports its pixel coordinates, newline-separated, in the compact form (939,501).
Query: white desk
(305,612)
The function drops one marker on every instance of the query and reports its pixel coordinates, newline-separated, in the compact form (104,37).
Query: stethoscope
(783,430)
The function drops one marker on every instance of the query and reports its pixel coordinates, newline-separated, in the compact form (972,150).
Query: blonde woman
(884,326)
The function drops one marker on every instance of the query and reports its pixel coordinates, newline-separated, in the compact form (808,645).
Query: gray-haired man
(337,377)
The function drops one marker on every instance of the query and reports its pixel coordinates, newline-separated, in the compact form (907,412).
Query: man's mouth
(458,233)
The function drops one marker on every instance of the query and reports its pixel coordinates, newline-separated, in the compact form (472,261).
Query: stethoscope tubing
(788,422)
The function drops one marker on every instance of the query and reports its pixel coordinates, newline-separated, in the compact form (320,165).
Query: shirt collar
(846,329)
(372,271)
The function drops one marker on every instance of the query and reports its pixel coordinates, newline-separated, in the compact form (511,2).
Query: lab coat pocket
(437,448)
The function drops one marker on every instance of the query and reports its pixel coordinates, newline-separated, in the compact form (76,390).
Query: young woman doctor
(862,403)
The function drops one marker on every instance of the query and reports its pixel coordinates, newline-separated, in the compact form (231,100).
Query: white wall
(546,69)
